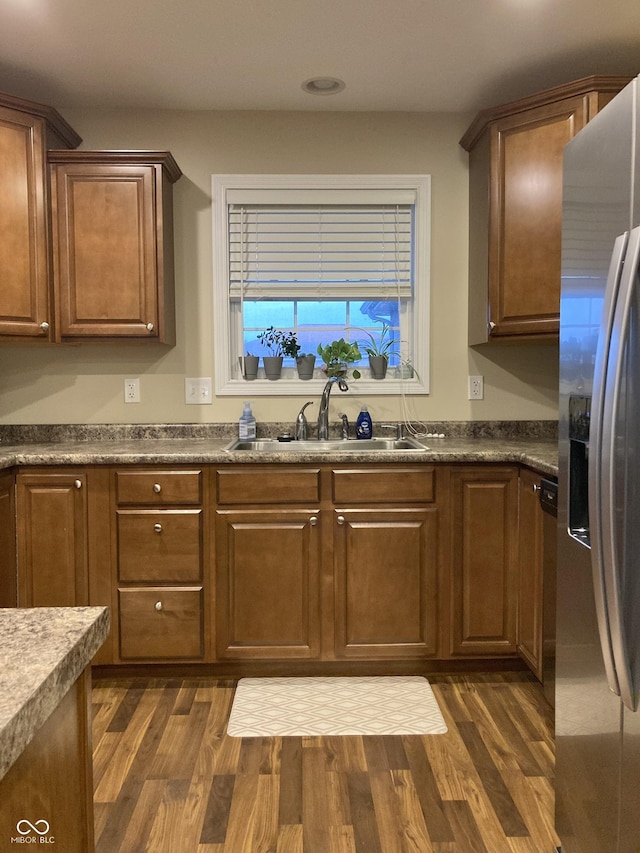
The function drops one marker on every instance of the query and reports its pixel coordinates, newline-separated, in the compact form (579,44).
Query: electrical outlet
(197,391)
(132,390)
(476,388)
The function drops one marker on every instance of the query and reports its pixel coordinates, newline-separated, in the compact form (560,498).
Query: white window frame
(227,381)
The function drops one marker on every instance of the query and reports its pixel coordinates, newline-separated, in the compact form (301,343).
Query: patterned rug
(282,707)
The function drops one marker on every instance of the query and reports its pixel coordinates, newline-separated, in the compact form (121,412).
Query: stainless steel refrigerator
(598,605)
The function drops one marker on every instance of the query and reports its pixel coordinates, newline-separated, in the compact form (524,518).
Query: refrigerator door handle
(610,520)
(597,500)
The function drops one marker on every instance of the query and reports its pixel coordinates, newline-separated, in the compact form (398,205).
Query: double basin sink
(272,445)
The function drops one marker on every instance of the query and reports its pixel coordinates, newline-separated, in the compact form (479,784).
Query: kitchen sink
(272,445)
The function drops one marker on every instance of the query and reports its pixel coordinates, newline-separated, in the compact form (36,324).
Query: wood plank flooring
(168,779)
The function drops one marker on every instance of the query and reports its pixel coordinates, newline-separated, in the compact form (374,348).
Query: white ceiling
(416,55)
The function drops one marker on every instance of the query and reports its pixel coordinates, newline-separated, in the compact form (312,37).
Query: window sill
(293,387)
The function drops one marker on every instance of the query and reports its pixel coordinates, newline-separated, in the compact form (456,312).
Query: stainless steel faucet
(301,423)
(323,413)
(399,428)
(345,427)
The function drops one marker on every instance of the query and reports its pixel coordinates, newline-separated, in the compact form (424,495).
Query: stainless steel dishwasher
(548,493)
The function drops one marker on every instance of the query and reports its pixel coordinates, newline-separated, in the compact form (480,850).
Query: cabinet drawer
(159,487)
(162,547)
(161,623)
(268,486)
(383,485)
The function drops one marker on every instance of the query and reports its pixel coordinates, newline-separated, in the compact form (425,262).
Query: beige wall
(83,384)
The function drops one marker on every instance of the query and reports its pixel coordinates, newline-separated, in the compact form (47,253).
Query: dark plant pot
(272,366)
(305,365)
(378,365)
(249,366)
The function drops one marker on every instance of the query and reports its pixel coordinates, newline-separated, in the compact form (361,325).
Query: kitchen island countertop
(43,651)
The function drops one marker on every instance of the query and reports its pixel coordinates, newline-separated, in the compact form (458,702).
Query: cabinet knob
(313,520)
(340,519)
(44,326)
(158,606)
(157,488)
(150,327)
(77,484)
(536,487)
(157,528)
(492,325)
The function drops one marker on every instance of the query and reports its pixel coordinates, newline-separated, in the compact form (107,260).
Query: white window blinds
(348,249)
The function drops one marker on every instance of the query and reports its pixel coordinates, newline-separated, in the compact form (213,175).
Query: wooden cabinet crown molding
(601,84)
(59,132)
(165,159)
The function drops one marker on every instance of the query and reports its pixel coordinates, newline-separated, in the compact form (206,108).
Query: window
(327,257)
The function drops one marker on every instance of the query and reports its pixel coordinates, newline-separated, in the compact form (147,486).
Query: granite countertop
(43,651)
(540,454)
(532,443)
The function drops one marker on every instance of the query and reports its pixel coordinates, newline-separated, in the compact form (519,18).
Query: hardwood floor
(169,780)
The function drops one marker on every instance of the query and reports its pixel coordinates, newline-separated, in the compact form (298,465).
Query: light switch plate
(197,391)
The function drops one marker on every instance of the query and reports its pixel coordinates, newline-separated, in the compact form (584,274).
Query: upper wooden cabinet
(515,207)
(112,223)
(27,129)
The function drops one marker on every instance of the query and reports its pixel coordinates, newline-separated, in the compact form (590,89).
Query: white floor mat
(281,707)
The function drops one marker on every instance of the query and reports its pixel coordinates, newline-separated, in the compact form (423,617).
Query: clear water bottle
(247,424)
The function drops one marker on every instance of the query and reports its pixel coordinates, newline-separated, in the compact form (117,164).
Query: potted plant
(272,339)
(337,357)
(305,363)
(249,366)
(379,348)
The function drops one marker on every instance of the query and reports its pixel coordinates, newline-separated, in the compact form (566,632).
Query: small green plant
(380,345)
(338,355)
(279,342)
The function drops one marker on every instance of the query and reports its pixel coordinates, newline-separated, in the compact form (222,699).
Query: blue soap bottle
(247,424)
(364,427)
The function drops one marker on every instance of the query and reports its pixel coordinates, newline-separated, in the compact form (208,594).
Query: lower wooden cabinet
(161,623)
(386,577)
(160,540)
(267,584)
(350,564)
(484,541)
(52,537)
(8,568)
(530,572)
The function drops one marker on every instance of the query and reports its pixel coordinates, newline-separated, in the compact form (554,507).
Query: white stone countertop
(43,651)
(541,454)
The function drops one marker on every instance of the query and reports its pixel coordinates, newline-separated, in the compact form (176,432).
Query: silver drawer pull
(157,528)
(157,488)
(340,519)
(158,606)
(77,484)
(313,520)
(44,326)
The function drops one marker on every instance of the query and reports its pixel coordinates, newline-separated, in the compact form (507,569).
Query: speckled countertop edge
(540,454)
(43,651)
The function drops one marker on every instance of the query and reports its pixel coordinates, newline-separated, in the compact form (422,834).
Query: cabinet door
(526,216)
(484,561)
(530,572)
(267,590)
(8,576)
(52,540)
(24,253)
(385,564)
(106,263)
